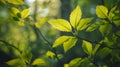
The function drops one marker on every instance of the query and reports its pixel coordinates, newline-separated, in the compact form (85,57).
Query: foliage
(104,52)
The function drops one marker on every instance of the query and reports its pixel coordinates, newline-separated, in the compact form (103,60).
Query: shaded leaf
(61,25)
(60,40)
(39,61)
(75,16)
(106,28)
(101,11)
(69,43)
(16,2)
(87,46)
(25,13)
(27,55)
(84,23)
(104,52)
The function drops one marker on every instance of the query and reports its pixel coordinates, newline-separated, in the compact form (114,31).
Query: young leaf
(61,25)
(50,54)
(104,52)
(16,2)
(75,16)
(15,10)
(60,40)
(25,13)
(21,23)
(39,61)
(75,62)
(16,62)
(87,46)
(104,29)
(84,23)
(69,43)
(102,11)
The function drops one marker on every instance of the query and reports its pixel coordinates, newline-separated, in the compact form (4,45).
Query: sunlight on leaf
(50,54)
(39,61)
(16,2)
(21,23)
(75,62)
(37,24)
(25,13)
(59,41)
(66,65)
(87,46)
(15,10)
(61,24)
(16,62)
(101,11)
(84,23)
(69,43)
(75,16)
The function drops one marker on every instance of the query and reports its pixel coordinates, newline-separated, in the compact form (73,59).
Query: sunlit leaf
(50,54)
(87,46)
(102,11)
(16,2)
(84,23)
(25,13)
(39,61)
(61,24)
(106,28)
(37,24)
(21,23)
(75,62)
(60,40)
(16,62)
(15,10)
(69,43)
(75,16)
(66,65)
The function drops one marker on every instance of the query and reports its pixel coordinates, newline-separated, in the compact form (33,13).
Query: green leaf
(69,43)
(75,16)
(39,61)
(102,11)
(84,23)
(95,48)
(25,13)
(75,62)
(50,54)
(61,24)
(16,2)
(16,62)
(106,28)
(60,40)
(95,25)
(27,55)
(87,46)
(14,10)
(104,52)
